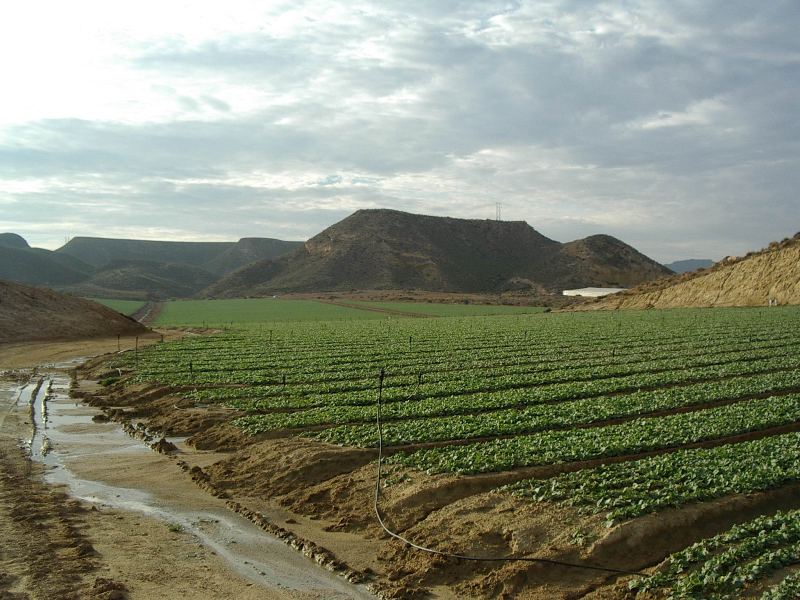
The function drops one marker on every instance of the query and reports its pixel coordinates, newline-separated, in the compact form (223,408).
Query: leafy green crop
(718,567)
(631,489)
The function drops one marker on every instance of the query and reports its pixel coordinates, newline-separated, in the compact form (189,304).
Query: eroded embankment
(149,483)
(320,497)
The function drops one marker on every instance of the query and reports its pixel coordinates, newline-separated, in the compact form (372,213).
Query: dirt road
(112,544)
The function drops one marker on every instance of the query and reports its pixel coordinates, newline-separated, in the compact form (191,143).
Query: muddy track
(44,554)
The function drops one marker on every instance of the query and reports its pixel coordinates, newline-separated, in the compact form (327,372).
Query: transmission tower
(498,210)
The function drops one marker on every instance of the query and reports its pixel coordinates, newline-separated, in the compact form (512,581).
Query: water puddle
(63,434)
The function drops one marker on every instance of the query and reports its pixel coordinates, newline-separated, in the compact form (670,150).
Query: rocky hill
(388,249)
(28,314)
(769,275)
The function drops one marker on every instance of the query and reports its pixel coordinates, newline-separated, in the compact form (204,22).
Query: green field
(252,311)
(243,312)
(502,394)
(126,307)
(451,310)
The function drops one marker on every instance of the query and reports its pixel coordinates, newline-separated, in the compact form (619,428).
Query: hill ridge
(391,249)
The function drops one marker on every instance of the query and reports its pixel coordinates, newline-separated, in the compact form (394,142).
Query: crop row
(538,417)
(538,387)
(475,340)
(357,361)
(719,566)
(788,589)
(402,383)
(364,409)
(631,489)
(632,437)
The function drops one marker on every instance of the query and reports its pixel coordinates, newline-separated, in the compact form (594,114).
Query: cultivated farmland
(126,307)
(600,439)
(243,311)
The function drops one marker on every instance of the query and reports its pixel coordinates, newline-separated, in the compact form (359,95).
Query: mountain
(19,262)
(216,257)
(28,313)
(769,275)
(606,261)
(389,249)
(134,269)
(12,240)
(249,250)
(144,279)
(99,252)
(691,264)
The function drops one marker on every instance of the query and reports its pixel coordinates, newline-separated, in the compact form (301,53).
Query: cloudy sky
(672,125)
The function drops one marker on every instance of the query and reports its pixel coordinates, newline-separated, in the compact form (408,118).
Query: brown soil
(45,553)
(28,355)
(55,547)
(29,313)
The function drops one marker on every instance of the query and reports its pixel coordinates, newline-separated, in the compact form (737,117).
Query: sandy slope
(770,275)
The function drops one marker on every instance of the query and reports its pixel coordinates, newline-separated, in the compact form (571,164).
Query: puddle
(63,432)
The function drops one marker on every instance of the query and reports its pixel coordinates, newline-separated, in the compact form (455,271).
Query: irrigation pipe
(532,559)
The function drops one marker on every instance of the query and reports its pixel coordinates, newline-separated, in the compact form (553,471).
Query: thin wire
(397,536)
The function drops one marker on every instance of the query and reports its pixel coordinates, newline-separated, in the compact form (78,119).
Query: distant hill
(771,274)
(12,240)
(19,262)
(606,261)
(388,249)
(99,252)
(132,269)
(216,257)
(28,313)
(249,250)
(144,279)
(691,264)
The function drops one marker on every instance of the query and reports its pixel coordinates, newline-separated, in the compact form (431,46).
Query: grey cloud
(586,98)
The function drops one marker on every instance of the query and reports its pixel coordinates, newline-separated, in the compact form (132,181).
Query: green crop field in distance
(452,310)
(209,313)
(126,307)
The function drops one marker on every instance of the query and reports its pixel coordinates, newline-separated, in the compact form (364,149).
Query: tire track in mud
(44,554)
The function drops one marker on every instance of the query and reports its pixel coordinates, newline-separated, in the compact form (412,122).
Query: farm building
(592,292)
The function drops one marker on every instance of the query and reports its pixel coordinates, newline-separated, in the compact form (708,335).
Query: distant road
(148,313)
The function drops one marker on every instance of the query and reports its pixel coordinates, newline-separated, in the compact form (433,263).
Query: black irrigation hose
(397,536)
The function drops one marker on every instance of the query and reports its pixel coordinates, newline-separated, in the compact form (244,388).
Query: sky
(672,125)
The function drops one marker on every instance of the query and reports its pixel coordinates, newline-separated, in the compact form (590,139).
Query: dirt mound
(28,313)
(388,249)
(769,276)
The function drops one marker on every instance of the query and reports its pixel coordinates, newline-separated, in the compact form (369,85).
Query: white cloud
(703,112)
(578,117)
